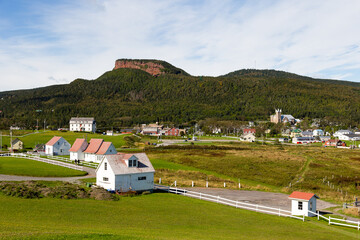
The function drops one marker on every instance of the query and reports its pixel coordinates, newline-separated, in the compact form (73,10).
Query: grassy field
(264,167)
(155,216)
(26,167)
(34,138)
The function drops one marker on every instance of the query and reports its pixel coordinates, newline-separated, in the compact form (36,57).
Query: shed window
(300,205)
(105,179)
(105,166)
(311,205)
(142,178)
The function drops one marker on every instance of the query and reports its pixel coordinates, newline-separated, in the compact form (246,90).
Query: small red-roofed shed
(302,203)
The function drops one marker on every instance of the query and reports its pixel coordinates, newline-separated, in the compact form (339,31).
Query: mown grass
(43,137)
(155,216)
(27,167)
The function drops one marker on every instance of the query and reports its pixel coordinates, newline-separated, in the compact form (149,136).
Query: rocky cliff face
(148,66)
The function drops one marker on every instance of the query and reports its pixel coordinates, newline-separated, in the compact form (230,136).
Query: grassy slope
(26,167)
(265,168)
(43,137)
(155,216)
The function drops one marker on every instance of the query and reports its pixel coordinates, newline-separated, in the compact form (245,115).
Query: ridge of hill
(127,96)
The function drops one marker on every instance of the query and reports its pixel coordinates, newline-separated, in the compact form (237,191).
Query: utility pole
(37,124)
(44,124)
(11,145)
(0,141)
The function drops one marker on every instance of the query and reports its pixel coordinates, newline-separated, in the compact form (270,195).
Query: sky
(55,42)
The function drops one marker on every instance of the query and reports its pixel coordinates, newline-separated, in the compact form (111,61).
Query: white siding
(306,206)
(102,173)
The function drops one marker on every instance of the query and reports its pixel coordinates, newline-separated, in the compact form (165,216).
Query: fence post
(318,214)
(358,225)
(175,183)
(159,180)
(192,183)
(224,184)
(207,184)
(279,212)
(303,217)
(175,189)
(200,196)
(236,204)
(329,220)
(257,207)
(217,200)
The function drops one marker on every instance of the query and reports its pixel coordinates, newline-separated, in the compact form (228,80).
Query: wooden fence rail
(335,221)
(229,202)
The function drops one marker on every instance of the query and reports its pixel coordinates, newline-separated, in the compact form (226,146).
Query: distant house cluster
(82,124)
(159,130)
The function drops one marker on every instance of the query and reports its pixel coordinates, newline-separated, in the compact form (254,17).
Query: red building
(249,130)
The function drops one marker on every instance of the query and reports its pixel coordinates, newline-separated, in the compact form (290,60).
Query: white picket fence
(63,159)
(338,221)
(40,159)
(225,201)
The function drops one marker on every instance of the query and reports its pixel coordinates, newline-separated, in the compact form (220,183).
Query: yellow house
(17,144)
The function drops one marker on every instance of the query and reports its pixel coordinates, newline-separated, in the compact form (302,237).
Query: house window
(105,166)
(58,143)
(134,163)
(142,178)
(300,205)
(105,179)
(130,163)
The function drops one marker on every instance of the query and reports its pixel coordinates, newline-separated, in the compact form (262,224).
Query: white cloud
(83,39)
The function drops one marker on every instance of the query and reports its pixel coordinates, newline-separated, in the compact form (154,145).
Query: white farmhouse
(302,203)
(318,132)
(57,146)
(82,124)
(125,172)
(92,149)
(249,137)
(77,149)
(340,133)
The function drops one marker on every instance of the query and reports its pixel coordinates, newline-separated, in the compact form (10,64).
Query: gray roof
(118,165)
(343,131)
(15,141)
(352,135)
(76,119)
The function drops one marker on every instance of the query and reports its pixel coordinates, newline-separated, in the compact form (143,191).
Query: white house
(92,149)
(106,148)
(250,137)
(82,124)
(302,203)
(125,172)
(301,140)
(77,149)
(339,133)
(318,132)
(57,146)
(349,137)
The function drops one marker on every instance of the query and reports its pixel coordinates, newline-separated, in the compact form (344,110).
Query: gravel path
(275,200)
(90,171)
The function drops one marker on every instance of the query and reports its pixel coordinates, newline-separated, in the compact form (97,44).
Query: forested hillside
(124,97)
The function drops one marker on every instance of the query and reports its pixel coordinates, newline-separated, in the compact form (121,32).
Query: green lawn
(43,137)
(155,216)
(27,167)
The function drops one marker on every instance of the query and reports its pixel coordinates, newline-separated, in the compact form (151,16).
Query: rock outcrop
(149,66)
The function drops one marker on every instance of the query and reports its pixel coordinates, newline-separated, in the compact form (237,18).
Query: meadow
(27,167)
(333,174)
(154,216)
(33,138)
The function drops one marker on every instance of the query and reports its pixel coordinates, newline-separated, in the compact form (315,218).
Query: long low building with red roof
(57,146)
(125,172)
(97,149)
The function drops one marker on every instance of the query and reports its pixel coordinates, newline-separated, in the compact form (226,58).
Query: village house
(307,134)
(77,149)
(349,137)
(318,132)
(340,133)
(334,143)
(303,140)
(125,172)
(249,137)
(97,149)
(57,146)
(295,133)
(249,130)
(17,144)
(82,124)
(39,148)
(302,203)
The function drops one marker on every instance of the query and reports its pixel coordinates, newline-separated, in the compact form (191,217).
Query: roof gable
(94,145)
(77,144)
(52,141)
(105,146)
(302,195)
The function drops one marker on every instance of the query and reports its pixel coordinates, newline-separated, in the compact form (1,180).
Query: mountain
(130,95)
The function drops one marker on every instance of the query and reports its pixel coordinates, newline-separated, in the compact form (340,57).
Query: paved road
(275,200)
(90,171)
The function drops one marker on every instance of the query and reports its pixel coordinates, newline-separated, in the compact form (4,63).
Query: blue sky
(54,42)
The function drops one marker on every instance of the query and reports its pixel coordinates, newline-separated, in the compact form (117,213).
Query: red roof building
(249,130)
(94,145)
(52,141)
(77,145)
(302,195)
